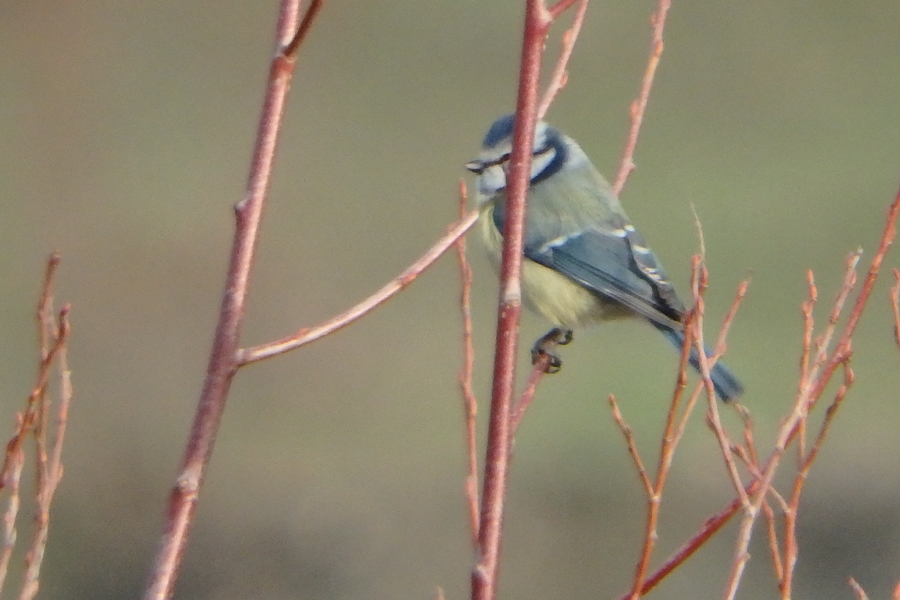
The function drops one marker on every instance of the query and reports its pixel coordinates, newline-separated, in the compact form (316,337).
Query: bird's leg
(554,337)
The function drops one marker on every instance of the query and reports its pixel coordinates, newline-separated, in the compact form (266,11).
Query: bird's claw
(554,337)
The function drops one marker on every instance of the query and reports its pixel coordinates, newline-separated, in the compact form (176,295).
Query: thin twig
(65,398)
(223,362)
(632,447)
(713,419)
(806,373)
(791,547)
(560,73)
(806,398)
(639,106)
(674,428)
(538,370)
(12,474)
(49,468)
(293,47)
(305,335)
(470,403)
(895,304)
(772,535)
(739,296)
(857,589)
(53,333)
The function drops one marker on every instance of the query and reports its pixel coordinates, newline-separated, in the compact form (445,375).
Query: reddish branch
(763,475)
(223,357)
(484,574)
(817,367)
(36,422)
(504,417)
(676,421)
(857,589)
(713,419)
(470,404)
(560,73)
(821,370)
(895,304)
(639,106)
(311,334)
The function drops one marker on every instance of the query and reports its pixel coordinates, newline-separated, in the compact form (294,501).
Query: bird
(584,261)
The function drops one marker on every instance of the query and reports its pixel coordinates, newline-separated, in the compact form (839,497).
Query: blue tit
(584,260)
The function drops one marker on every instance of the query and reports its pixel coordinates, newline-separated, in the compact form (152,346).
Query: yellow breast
(557,298)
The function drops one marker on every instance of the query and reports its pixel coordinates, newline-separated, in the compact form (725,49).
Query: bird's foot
(544,347)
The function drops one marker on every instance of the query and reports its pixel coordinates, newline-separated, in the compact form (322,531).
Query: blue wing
(615,263)
(619,266)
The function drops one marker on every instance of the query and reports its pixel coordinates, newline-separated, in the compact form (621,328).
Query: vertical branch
(790,428)
(223,356)
(49,468)
(484,575)
(35,421)
(12,473)
(560,74)
(823,369)
(895,304)
(642,584)
(470,403)
(760,486)
(791,547)
(670,438)
(772,536)
(713,420)
(639,106)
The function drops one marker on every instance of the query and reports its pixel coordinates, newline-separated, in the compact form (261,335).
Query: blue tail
(726,384)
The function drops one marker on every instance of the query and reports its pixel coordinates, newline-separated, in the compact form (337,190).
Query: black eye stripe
(544,150)
(506,156)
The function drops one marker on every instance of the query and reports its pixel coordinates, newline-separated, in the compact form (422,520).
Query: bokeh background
(125,135)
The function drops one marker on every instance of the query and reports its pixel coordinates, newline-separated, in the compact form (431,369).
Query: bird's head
(548,156)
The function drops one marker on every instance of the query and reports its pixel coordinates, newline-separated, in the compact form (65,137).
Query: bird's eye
(479,166)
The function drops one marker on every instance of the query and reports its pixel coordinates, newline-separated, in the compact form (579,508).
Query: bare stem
(857,589)
(639,106)
(223,356)
(674,431)
(470,403)
(307,335)
(632,446)
(895,304)
(560,73)
(35,421)
(821,371)
(791,547)
(484,574)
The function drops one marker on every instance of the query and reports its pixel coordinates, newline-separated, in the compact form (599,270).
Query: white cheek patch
(541,161)
(492,180)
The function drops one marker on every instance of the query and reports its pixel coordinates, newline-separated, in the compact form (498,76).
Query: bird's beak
(476,166)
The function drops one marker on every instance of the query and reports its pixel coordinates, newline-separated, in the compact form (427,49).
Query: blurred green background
(125,136)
